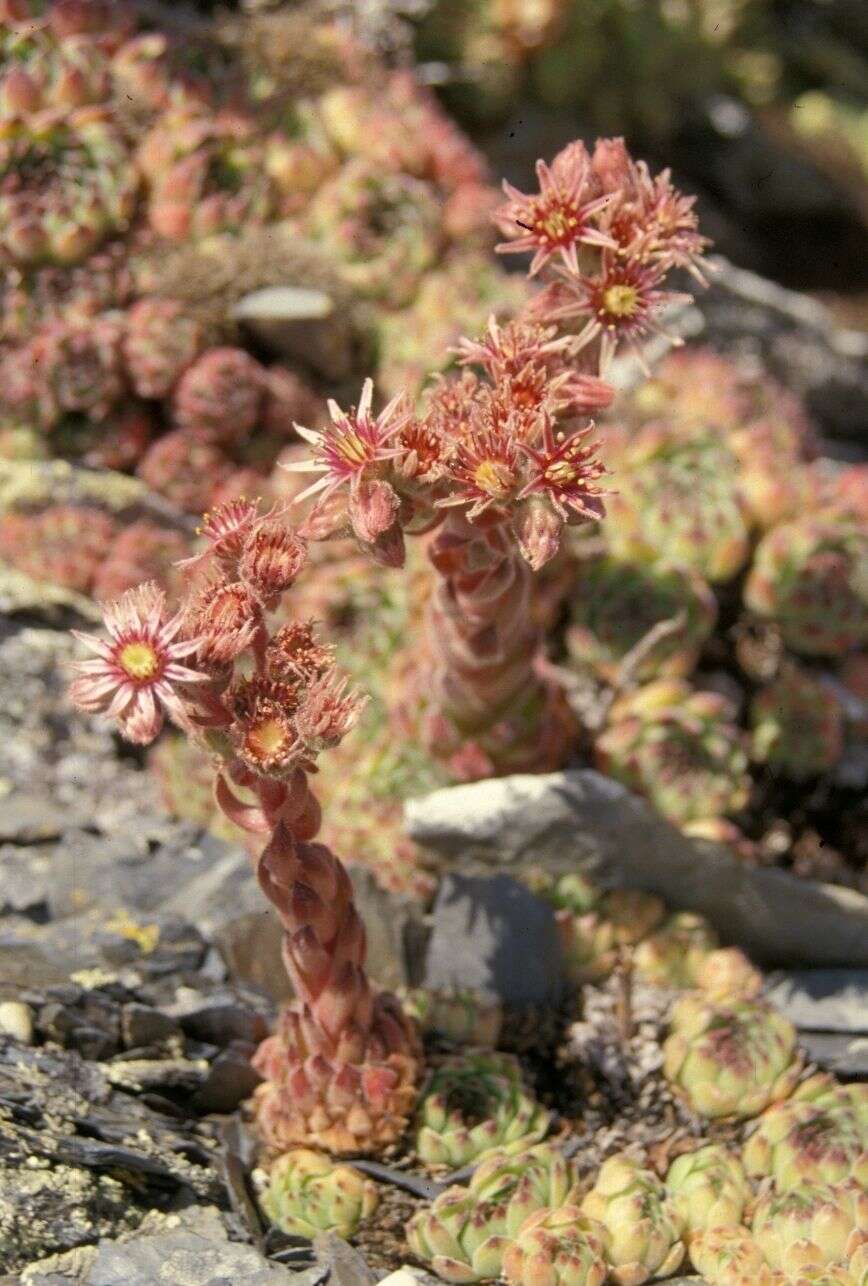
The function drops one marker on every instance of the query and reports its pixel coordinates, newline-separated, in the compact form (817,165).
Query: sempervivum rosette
(808,578)
(798,725)
(474,1104)
(820,1135)
(383,229)
(562,1247)
(641,1225)
(813,1227)
(66,184)
(614,605)
(308,1194)
(466,1231)
(206,175)
(730,1060)
(730,1256)
(677,502)
(708,1188)
(678,747)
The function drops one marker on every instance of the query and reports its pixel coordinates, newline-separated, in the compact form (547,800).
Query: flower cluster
(265,700)
(509,433)
(499,456)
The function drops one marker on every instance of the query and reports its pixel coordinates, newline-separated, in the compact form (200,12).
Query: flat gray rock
(346,1266)
(491,934)
(823,1000)
(32,819)
(189,1250)
(581,820)
(797,339)
(846,1056)
(58,1270)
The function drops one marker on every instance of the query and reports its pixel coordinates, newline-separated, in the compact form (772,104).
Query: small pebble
(16,1019)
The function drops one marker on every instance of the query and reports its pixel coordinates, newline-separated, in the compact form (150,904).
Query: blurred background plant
(758,104)
(213,220)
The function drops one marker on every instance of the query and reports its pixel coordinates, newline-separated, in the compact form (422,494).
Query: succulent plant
(161,340)
(116,442)
(680,748)
(308,1194)
(825,1093)
(473,1105)
(808,577)
(66,184)
(219,397)
(727,974)
(763,425)
(461,1015)
(142,551)
(501,447)
(798,725)
(561,1247)
(708,1188)
(206,174)
(803,1141)
(675,954)
(614,606)
(730,1060)
(591,941)
(132,149)
(383,230)
(62,544)
(775,480)
(695,386)
(76,368)
(677,503)
(811,1227)
(185,470)
(464,1233)
(642,1227)
(47,70)
(588,946)
(31,297)
(730,1256)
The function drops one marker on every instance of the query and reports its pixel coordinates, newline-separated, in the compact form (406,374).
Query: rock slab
(492,935)
(581,820)
(193,1250)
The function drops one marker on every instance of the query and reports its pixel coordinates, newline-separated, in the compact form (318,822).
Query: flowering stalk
(498,459)
(342,1067)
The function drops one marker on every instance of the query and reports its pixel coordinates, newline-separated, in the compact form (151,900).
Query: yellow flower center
(620,301)
(268,738)
(556,224)
(139,660)
(493,477)
(353,448)
(561,473)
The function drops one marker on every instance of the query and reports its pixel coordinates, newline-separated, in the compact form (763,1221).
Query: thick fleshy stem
(341,1068)
(488,711)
